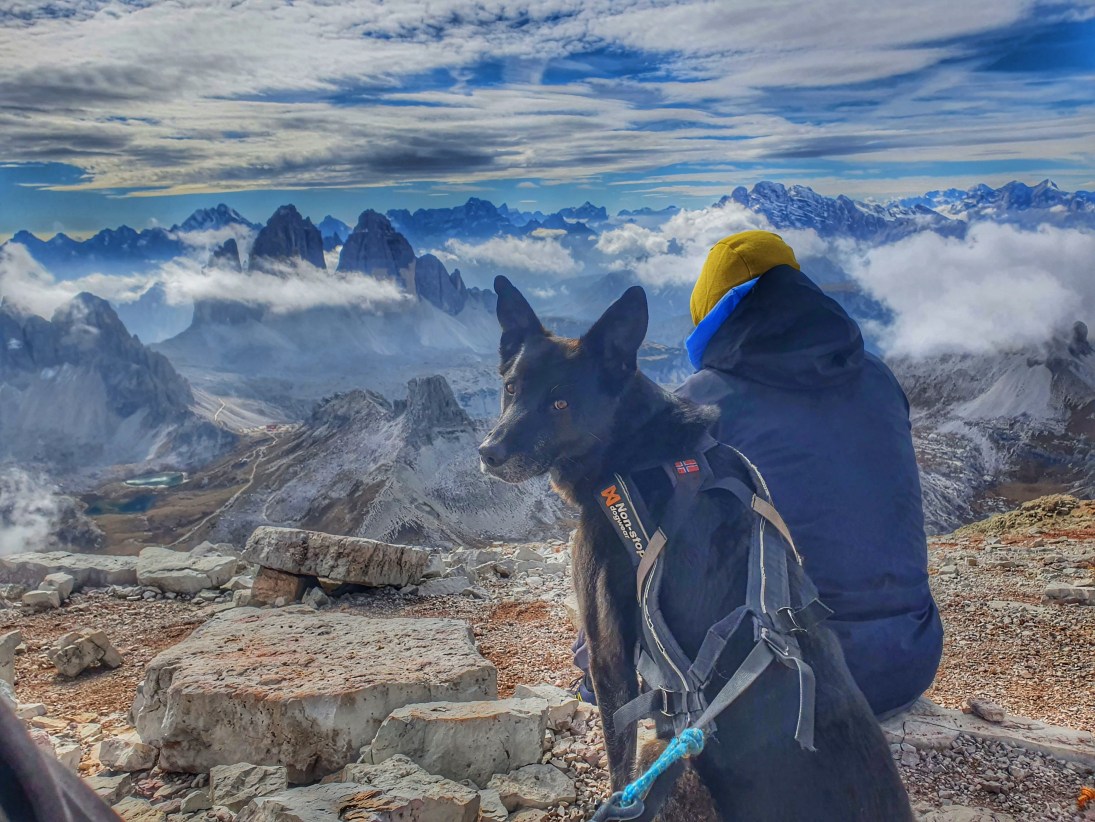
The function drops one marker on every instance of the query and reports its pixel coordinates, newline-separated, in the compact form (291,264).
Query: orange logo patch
(611,495)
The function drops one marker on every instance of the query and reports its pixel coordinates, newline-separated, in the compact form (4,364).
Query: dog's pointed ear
(615,338)
(516,317)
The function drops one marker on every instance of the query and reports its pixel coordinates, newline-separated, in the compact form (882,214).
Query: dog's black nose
(492,454)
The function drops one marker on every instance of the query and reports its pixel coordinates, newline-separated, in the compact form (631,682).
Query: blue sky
(139,111)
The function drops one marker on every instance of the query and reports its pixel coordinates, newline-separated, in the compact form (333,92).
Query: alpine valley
(337,375)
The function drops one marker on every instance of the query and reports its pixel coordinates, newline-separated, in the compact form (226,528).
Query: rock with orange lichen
(299,688)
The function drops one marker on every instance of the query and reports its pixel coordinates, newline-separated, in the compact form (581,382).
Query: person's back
(828,426)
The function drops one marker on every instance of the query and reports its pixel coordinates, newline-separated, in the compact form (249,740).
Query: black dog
(581,410)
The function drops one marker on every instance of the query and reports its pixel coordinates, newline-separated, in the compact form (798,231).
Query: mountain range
(78,391)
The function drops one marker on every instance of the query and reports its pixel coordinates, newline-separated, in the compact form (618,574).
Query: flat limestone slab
(298,687)
(927,725)
(347,559)
(88,570)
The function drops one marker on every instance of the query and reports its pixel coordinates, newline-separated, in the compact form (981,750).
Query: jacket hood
(787,333)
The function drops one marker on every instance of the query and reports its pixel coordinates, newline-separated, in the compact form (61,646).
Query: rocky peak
(431,408)
(288,236)
(434,284)
(219,216)
(376,248)
(227,255)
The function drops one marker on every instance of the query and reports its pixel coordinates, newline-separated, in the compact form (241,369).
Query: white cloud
(547,256)
(29,511)
(999,288)
(283,288)
(632,241)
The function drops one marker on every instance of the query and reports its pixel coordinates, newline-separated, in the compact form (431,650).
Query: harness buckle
(665,705)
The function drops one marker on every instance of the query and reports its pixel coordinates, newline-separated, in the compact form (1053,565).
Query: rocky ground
(1007,645)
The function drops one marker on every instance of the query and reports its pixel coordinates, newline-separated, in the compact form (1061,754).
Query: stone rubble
(76,651)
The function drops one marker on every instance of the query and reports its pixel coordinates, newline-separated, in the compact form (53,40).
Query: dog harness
(673,684)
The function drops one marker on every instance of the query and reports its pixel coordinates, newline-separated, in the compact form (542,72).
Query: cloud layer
(198,95)
(282,288)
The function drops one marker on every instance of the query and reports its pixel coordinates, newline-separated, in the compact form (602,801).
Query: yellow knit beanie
(735,260)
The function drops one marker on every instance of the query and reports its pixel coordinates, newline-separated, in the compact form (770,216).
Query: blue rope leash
(688,744)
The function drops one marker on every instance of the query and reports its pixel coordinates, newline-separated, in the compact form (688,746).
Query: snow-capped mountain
(997,429)
(405,471)
(78,391)
(333,231)
(1014,203)
(124,250)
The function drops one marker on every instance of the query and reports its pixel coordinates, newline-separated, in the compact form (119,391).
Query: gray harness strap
(675,684)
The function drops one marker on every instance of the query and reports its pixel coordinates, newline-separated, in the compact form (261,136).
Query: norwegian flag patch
(687,467)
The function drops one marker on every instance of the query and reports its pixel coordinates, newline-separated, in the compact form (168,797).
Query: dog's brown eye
(511,388)
(559,405)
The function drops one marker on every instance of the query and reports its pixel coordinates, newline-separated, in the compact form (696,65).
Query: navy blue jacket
(828,426)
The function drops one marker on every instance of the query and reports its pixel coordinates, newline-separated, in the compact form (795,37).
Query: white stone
(76,651)
(181,572)
(298,687)
(465,740)
(561,704)
(534,786)
(348,559)
(42,599)
(233,786)
(927,725)
(8,644)
(68,754)
(89,570)
(60,582)
(399,777)
(491,808)
(126,752)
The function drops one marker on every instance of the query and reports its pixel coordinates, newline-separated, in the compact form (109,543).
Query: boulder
(315,598)
(135,809)
(8,643)
(181,572)
(42,600)
(927,725)
(298,687)
(491,808)
(195,801)
(60,582)
(561,704)
(1069,594)
(340,802)
(69,754)
(534,786)
(89,570)
(348,559)
(12,592)
(270,586)
(126,752)
(77,651)
(401,778)
(447,587)
(110,786)
(465,740)
(233,786)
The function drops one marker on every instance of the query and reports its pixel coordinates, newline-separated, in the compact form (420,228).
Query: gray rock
(60,582)
(12,592)
(570,603)
(76,651)
(42,600)
(134,809)
(271,585)
(8,643)
(69,754)
(526,553)
(986,709)
(195,801)
(465,740)
(126,752)
(298,687)
(401,778)
(961,814)
(534,786)
(233,786)
(491,808)
(929,726)
(561,704)
(181,571)
(348,559)
(450,586)
(337,802)
(240,583)
(315,598)
(89,570)
(110,786)
(1069,594)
